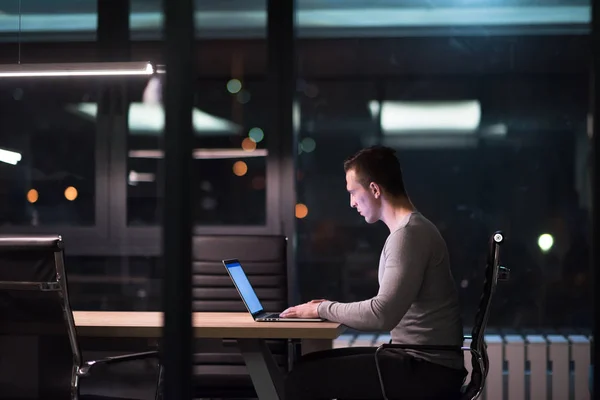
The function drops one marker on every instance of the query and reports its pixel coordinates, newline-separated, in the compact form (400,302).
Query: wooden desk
(250,335)
(206,325)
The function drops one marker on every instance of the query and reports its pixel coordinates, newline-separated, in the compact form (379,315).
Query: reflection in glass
(47,153)
(229,154)
(246,19)
(114,283)
(478,154)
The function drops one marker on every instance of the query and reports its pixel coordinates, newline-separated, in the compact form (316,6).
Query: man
(417,301)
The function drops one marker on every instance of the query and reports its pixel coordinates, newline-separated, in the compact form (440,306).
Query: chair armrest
(84,370)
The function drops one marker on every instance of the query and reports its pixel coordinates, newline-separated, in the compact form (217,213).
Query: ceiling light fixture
(77,69)
(73,69)
(427,117)
(10,157)
(144,119)
(203,153)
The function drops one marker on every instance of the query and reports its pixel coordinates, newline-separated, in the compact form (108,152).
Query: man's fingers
(287,313)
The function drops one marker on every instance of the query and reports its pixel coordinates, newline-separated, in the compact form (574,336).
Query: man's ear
(375,190)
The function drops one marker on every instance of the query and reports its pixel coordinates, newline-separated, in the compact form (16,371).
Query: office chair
(478,348)
(34,303)
(221,372)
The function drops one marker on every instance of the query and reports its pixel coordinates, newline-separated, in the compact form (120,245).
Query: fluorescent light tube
(203,153)
(150,118)
(135,177)
(412,117)
(333,16)
(76,69)
(9,157)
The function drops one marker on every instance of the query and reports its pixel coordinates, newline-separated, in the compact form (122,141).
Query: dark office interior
(280,94)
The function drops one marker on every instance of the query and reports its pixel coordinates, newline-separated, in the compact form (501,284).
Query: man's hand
(306,310)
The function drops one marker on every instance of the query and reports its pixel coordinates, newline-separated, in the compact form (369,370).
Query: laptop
(250,299)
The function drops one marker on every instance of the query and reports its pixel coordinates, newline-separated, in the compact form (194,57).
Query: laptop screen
(244,287)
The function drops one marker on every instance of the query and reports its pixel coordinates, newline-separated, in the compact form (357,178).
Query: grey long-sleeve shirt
(417,299)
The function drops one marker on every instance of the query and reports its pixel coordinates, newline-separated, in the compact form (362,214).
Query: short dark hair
(378,164)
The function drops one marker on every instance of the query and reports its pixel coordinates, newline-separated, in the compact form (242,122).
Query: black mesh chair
(220,369)
(478,349)
(34,304)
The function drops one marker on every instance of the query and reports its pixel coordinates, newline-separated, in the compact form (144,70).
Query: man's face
(363,199)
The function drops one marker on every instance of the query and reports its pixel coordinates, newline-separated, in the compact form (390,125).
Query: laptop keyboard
(272,315)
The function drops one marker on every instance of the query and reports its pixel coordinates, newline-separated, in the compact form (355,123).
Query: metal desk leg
(266,375)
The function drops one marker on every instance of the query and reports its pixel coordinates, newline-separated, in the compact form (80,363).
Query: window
(230,134)
(47,153)
(491,132)
(114,283)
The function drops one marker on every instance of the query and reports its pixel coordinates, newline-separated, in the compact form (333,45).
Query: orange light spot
(240,168)
(248,144)
(70,193)
(301,210)
(32,196)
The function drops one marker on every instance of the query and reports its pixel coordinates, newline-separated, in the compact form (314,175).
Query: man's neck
(395,210)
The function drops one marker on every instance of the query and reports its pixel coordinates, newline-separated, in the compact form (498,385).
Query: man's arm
(406,259)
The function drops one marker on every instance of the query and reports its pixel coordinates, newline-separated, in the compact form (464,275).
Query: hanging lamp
(77,69)
(74,69)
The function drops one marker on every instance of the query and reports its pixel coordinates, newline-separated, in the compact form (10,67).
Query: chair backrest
(264,259)
(479,357)
(34,303)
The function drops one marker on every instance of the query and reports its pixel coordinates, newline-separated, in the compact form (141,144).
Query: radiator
(528,367)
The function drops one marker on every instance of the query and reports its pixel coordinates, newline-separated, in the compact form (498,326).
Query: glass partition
(45,21)
(68,20)
(490,124)
(47,153)
(231,127)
